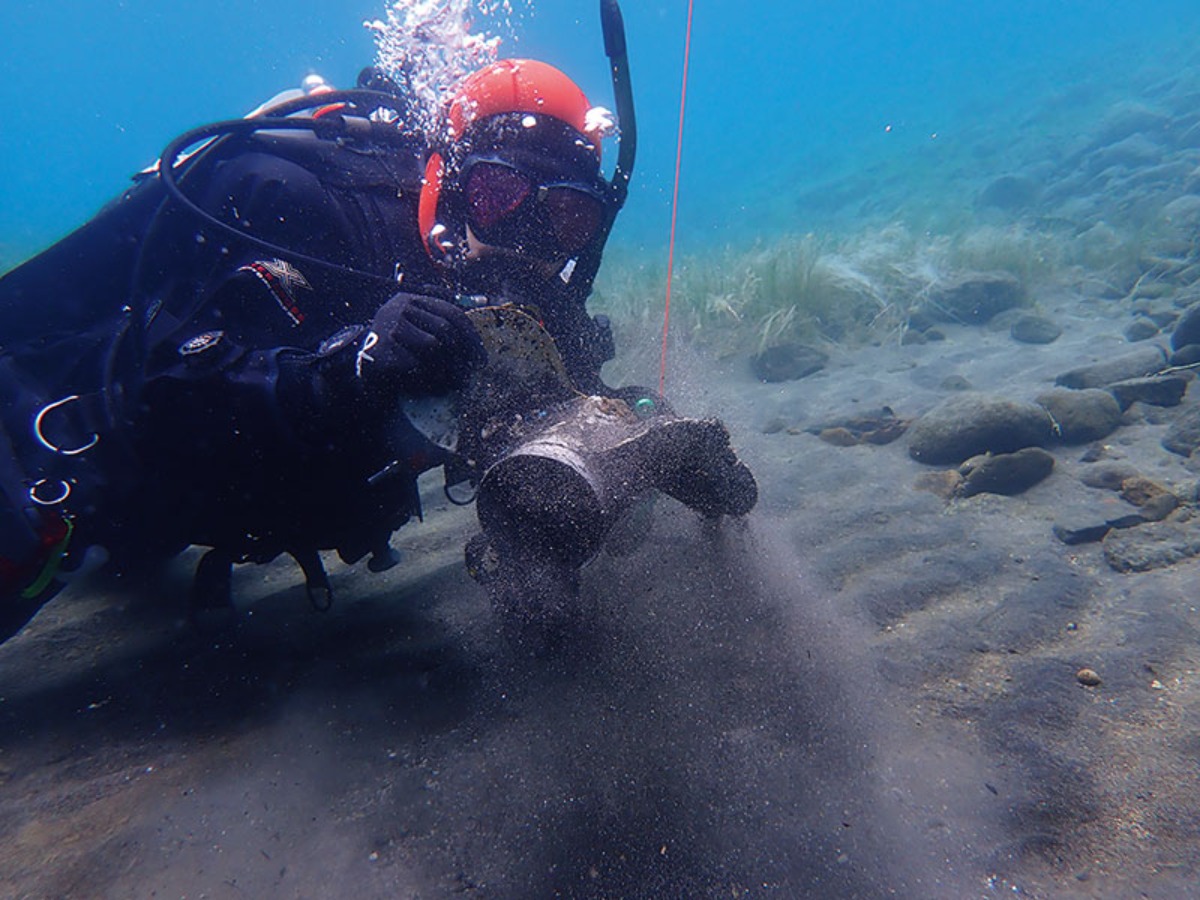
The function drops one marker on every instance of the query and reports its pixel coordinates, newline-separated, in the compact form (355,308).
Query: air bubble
(427,47)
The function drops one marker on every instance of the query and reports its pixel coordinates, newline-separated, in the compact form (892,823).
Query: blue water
(783,95)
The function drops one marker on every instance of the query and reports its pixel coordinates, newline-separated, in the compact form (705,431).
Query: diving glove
(418,345)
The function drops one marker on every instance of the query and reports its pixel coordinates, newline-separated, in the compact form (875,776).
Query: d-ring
(37,429)
(64,487)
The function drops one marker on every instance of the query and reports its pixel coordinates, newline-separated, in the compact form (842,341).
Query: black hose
(588,264)
(329,127)
(613,26)
(170,180)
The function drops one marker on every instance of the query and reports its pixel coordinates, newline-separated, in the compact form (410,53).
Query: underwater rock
(1183,437)
(1158,508)
(881,426)
(1033,329)
(1146,291)
(974,297)
(1182,214)
(1176,228)
(1148,360)
(1143,414)
(1005,473)
(1159,390)
(839,437)
(1004,321)
(1187,491)
(1187,355)
(1187,329)
(1081,416)
(961,427)
(1152,310)
(1155,501)
(1108,476)
(1098,244)
(1153,546)
(1189,296)
(1133,152)
(1140,329)
(1095,453)
(1127,118)
(1088,677)
(1010,193)
(955,383)
(787,362)
(922,318)
(1138,489)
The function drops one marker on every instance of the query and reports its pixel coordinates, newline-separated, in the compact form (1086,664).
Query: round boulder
(1005,473)
(787,362)
(1108,476)
(1183,437)
(1126,118)
(974,297)
(1081,416)
(1187,329)
(1160,390)
(1031,329)
(1152,546)
(1186,355)
(1148,359)
(1140,329)
(965,426)
(1010,193)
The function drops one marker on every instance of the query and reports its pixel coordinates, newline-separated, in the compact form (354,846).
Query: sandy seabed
(861,690)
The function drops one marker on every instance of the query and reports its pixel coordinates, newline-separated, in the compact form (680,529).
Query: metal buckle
(37,430)
(64,488)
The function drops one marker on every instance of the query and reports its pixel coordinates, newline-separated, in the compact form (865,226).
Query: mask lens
(574,215)
(493,192)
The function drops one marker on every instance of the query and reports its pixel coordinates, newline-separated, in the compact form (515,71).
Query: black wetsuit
(231,417)
(207,379)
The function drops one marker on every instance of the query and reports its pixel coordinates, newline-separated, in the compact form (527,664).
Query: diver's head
(516,193)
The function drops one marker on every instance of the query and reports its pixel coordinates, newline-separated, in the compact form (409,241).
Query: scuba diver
(221,357)
(235,353)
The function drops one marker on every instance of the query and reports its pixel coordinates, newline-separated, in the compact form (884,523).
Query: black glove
(418,345)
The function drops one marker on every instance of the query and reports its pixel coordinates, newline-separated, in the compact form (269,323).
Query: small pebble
(838,436)
(1139,491)
(1088,677)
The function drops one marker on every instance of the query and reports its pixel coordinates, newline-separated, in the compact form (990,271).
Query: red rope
(687,50)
